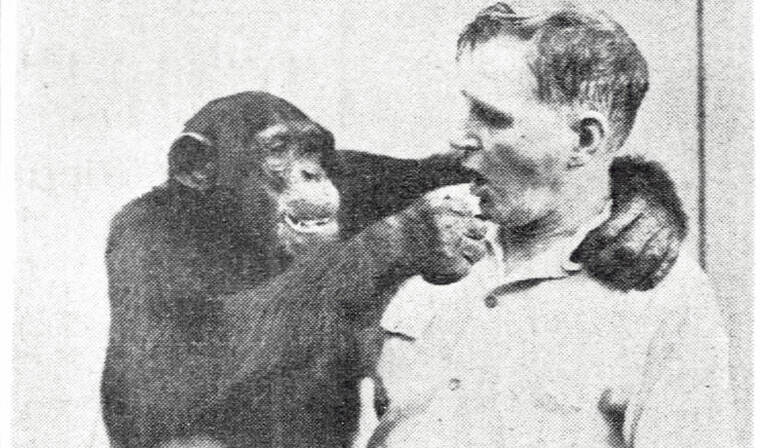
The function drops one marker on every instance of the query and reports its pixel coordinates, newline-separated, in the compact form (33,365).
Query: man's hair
(580,58)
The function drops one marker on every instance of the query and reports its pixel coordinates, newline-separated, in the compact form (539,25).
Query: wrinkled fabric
(542,355)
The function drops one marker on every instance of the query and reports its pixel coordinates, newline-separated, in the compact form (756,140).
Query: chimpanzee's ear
(193,161)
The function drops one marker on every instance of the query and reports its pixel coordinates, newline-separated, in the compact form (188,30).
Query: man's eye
(491,117)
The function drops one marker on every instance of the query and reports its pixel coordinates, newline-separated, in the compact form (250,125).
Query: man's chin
(514,217)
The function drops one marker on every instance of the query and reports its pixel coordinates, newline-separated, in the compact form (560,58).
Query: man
(530,349)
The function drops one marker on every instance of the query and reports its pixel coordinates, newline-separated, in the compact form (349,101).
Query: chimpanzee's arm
(140,386)
(621,253)
(281,325)
(374,186)
(638,245)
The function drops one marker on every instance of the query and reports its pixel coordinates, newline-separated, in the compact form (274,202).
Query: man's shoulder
(692,291)
(685,289)
(687,284)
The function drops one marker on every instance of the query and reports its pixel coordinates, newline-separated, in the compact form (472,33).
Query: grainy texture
(104,88)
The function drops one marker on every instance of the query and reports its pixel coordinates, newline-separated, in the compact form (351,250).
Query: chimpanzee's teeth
(306,225)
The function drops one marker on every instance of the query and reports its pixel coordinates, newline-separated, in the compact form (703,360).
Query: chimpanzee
(241,289)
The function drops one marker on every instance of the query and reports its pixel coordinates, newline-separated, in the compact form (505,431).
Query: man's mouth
(307,224)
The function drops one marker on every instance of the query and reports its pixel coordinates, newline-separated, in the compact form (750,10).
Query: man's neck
(523,242)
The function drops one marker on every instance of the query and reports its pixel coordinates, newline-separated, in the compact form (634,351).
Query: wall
(105,86)
(729,182)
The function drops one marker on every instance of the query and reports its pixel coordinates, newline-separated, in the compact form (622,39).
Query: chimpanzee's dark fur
(276,363)
(174,248)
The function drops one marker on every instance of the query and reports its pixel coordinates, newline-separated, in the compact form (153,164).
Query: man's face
(519,145)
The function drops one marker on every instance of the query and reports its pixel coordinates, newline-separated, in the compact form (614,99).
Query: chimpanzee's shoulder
(144,215)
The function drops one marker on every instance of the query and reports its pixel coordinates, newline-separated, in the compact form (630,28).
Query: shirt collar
(417,303)
(553,261)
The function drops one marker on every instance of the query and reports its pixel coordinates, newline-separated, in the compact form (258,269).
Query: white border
(755,220)
(8,61)
(8,229)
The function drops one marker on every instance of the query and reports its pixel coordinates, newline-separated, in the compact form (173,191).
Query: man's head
(550,98)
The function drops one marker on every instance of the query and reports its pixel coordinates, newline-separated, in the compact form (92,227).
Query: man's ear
(193,161)
(591,128)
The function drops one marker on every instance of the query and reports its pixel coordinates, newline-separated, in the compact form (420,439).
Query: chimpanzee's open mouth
(307,225)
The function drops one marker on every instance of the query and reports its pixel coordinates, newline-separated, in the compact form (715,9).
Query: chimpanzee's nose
(312,175)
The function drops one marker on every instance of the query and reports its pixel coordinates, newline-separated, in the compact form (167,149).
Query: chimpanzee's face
(261,156)
(287,180)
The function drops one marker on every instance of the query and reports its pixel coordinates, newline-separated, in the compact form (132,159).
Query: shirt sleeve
(685,396)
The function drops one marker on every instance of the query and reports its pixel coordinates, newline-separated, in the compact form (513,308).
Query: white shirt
(542,355)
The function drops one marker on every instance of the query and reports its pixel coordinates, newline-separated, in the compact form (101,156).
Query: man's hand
(638,245)
(443,236)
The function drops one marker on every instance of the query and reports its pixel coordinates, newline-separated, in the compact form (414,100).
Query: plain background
(104,87)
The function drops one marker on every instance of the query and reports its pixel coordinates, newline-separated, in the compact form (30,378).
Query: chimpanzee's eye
(313,148)
(276,144)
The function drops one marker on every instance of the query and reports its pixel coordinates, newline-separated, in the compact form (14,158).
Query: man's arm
(685,398)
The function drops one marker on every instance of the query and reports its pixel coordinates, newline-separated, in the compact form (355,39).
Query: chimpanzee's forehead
(235,121)
(288,128)
(272,131)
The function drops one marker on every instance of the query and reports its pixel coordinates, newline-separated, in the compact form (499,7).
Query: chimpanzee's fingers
(621,263)
(627,267)
(455,199)
(466,239)
(666,262)
(476,229)
(622,216)
(472,250)
(460,207)
(644,260)
(643,234)
(607,235)
(609,267)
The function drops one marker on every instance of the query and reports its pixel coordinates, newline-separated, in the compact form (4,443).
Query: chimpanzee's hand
(444,238)
(638,245)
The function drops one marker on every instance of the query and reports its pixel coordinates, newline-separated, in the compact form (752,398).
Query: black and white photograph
(378,224)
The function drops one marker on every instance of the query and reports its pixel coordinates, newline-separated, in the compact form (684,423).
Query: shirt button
(491,301)
(454,383)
